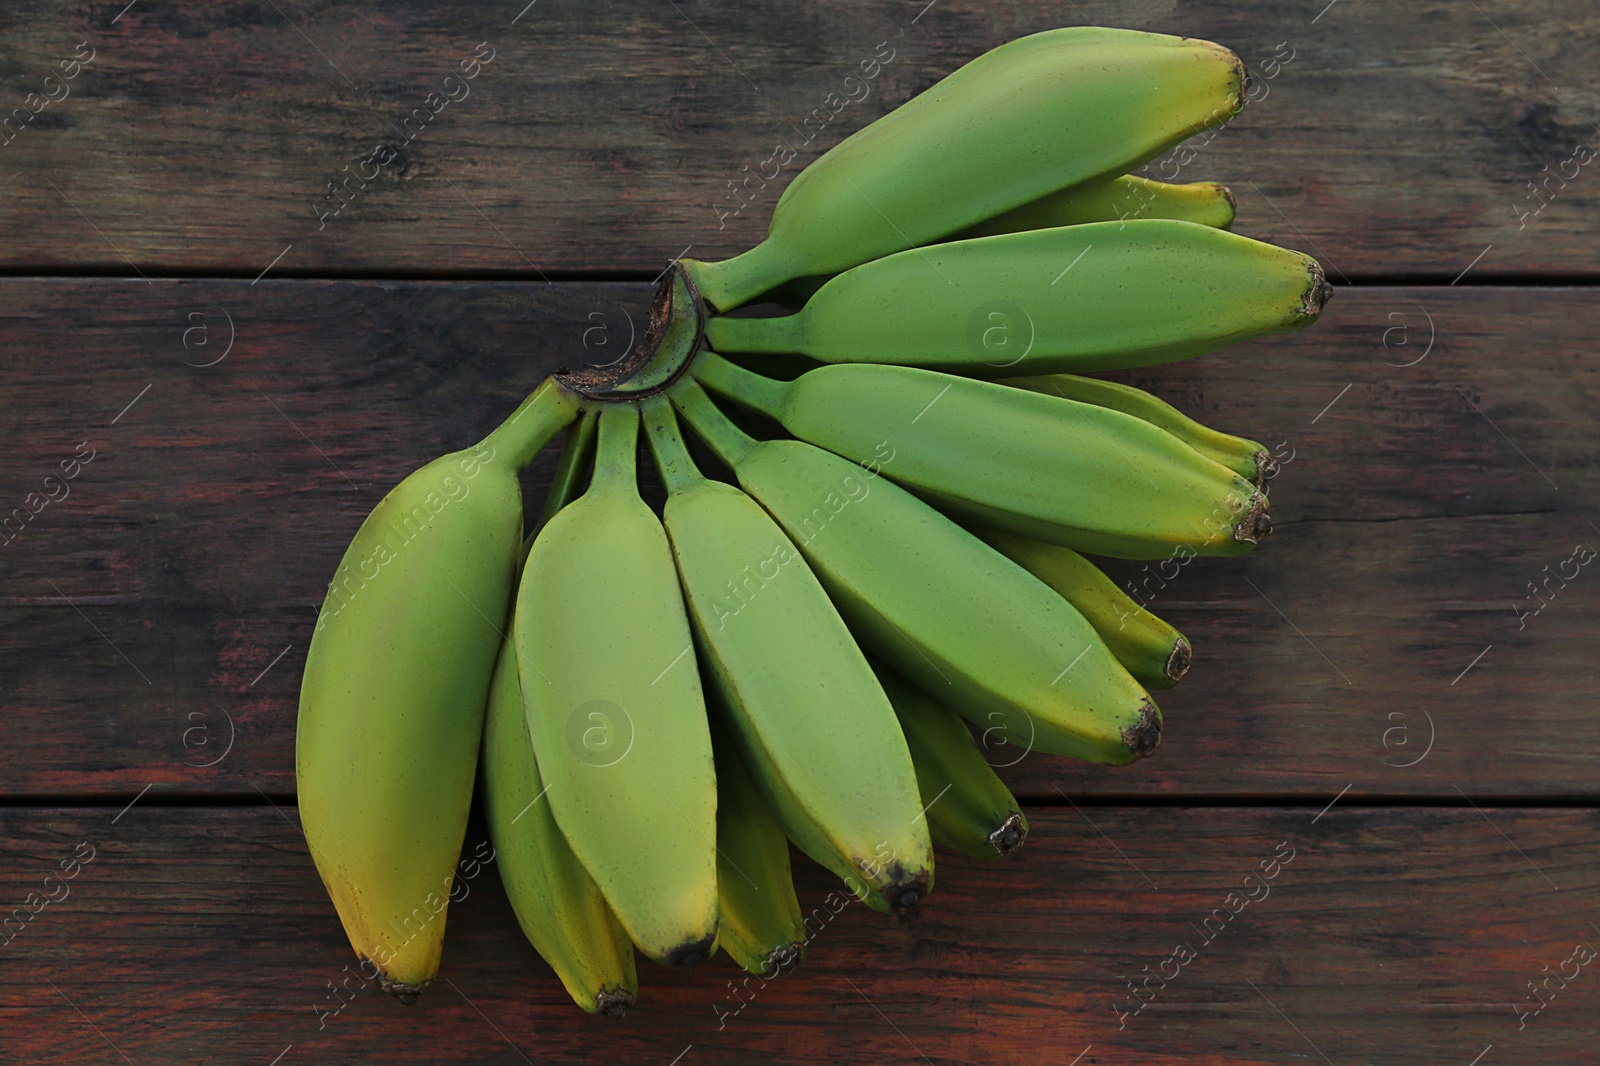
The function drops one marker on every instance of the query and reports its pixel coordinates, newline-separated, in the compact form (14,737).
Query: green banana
(615,712)
(1119,199)
(761,925)
(559,907)
(1155,653)
(1244,457)
(1035,115)
(1068,472)
(395,688)
(969,809)
(813,726)
(938,604)
(1093,297)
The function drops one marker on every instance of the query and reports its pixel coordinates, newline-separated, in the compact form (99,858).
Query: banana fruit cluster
(863,587)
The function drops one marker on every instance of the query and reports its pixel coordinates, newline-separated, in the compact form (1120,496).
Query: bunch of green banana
(663,700)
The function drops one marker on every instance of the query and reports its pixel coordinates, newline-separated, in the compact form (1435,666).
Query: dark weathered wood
(1398,137)
(1393,937)
(140,612)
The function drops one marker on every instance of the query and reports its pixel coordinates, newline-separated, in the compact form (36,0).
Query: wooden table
(236,360)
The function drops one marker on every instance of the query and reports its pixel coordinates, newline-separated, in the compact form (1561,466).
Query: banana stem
(730,442)
(735,382)
(545,412)
(764,335)
(666,444)
(615,459)
(738,280)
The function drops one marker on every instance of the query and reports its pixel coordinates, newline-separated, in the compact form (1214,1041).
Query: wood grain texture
(145,613)
(203,137)
(1389,937)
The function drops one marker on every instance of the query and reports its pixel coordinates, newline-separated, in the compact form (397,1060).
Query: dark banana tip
(1266,469)
(1144,736)
(1178,662)
(904,894)
(1255,525)
(781,960)
(405,993)
(613,1002)
(691,953)
(1227,194)
(1317,294)
(1010,835)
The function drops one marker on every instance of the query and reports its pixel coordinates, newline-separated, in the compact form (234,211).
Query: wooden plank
(162,609)
(611,139)
(1383,936)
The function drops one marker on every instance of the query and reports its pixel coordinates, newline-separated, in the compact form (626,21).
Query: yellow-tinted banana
(938,604)
(1035,115)
(1119,199)
(1075,298)
(810,720)
(1243,457)
(1154,652)
(1068,472)
(614,706)
(969,809)
(761,926)
(395,687)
